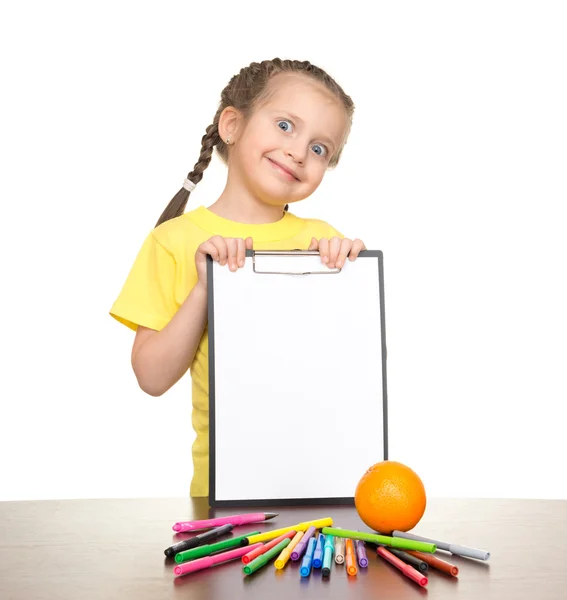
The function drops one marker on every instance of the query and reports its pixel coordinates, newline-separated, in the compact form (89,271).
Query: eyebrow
(324,138)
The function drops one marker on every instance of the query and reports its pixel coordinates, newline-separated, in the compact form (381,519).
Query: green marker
(208,549)
(263,559)
(395,542)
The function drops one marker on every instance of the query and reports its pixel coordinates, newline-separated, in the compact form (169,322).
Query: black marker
(417,563)
(198,540)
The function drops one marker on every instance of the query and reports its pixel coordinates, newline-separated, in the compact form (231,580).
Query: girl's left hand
(335,251)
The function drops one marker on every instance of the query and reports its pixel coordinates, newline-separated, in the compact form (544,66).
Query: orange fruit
(390,496)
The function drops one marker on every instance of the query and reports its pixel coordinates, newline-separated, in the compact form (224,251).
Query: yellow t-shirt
(163,275)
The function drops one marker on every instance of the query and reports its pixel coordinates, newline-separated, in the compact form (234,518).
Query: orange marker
(437,563)
(265,547)
(282,559)
(350,557)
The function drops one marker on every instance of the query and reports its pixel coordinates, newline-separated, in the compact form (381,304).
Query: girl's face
(285,148)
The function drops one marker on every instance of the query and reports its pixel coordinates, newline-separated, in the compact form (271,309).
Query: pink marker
(232,520)
(209,561)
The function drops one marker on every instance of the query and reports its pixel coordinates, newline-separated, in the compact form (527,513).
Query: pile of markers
(316,544)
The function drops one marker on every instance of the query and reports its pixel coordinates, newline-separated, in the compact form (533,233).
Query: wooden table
(106,549)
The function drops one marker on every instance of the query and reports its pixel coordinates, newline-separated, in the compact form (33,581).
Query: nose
(297,151)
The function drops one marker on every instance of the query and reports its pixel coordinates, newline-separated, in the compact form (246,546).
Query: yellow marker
(282,559)
(270,535)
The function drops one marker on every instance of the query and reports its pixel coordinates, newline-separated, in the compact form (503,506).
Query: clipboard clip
(289,253)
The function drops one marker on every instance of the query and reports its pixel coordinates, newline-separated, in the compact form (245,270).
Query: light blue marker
(308,558)
(318,554)
(328,555)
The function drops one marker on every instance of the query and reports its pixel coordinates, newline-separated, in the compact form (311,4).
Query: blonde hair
(245,91)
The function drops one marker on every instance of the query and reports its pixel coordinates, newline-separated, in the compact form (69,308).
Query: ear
(229,123)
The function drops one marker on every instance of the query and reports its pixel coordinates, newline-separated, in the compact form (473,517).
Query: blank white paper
(298,379)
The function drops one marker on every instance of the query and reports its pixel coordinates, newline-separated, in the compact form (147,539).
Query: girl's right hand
(231,251)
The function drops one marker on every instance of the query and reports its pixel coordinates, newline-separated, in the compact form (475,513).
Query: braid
(177,204)
(208,142)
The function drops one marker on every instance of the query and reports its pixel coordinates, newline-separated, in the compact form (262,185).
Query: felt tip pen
(453,548)
(250,556)
(270,535)
(339,550)
(406,569)
(318,552)
(209,561)
(435,562)
(208,549)
(308,558)
(303,543)
(285,555)
(263,559)
(198,540)
(361,553)
(350,557)
(328,552)
(396,542)
(184,526)
(416,563)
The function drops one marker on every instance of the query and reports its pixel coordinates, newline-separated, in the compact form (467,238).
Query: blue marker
(328,555)
(318,554)
(307,558)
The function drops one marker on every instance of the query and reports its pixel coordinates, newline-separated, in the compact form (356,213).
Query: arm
(161,358)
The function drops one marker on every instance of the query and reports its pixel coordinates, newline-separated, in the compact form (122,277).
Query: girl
(279,126)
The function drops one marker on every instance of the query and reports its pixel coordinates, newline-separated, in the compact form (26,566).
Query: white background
(456,169)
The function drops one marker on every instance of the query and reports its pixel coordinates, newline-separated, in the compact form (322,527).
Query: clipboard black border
(347,500)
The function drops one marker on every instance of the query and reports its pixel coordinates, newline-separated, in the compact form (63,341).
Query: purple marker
(361,553)
(302,545)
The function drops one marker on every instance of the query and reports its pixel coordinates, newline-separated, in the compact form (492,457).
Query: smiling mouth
(288,174)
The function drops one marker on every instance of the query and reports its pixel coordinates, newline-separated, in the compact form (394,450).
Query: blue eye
(322,150)
(283,127)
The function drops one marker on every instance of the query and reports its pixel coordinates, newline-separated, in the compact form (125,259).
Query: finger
(324,250)
(314,245)
(345,248)
(241,252)
(357,247)
(220,244)
(334,248)
(249,243)
(232,245)
(209,248)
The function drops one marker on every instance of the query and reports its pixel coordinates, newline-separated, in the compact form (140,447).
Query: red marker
(249,556)
(406,569)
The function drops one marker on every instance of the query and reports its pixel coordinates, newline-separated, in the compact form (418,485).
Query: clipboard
(297,378)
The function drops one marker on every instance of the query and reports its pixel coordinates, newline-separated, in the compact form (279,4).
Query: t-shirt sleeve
(334,232)
(147,297)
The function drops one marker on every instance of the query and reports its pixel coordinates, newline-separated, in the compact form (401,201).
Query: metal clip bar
(326,271)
